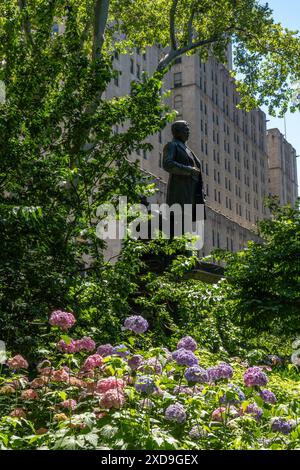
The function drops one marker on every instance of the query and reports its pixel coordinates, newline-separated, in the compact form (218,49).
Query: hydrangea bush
(125,396)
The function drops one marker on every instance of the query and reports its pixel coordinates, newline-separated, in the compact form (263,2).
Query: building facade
(230,143)
(282,167)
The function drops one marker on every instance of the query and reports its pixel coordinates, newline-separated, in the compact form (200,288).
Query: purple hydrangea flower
(121,350)
(239,396)
(152,366)
(145,384)
(136,323)
(196,432)
(176,413)
(254,410)
(67,348)
(268,397)
(187,390)
(105,350)
(135,361)
(221,371)
(185,357)
(281,425)
(254,376)
(196,374)
(187,343)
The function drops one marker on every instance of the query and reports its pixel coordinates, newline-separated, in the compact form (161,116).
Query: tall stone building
(282,167)
(230,143)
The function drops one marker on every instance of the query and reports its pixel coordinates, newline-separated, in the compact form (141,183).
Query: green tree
(263,288)
(60,156)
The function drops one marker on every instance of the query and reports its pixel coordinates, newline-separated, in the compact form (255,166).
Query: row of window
(216,240)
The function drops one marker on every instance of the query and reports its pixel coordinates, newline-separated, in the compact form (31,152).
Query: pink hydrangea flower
(64,347)
(95,360)
(18,413)
(63,320)
(108,384)
(68,404)
(113,398)
(60,375)
(17,362)
(219,414)
(39,382)
(46,371)
(86,344)
(29,394)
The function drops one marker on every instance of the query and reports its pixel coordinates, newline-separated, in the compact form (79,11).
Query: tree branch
(171,56)
(100,19)
(172,25)
(190,26)
(26,21)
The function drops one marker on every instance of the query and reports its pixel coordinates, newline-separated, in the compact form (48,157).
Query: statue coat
(184,187)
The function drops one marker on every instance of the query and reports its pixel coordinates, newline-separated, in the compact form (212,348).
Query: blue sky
(287,12)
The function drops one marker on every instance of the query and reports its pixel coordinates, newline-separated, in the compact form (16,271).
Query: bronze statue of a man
(185,185)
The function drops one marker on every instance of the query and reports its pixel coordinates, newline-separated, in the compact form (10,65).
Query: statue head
(180,130)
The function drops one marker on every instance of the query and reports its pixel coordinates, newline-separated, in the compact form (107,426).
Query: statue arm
(171,165)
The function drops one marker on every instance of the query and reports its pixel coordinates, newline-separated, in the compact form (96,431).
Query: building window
(138,71)
(178,104)
(213,238)
(177,79)
(145,154)
(132,66)
(116,79)
(159,137)
(160,160)
(178,60)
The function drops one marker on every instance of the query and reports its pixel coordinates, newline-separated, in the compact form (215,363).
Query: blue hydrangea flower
(136,323)
(268,397)
(187,342)
(185,357)
(221,371)
(196,374)
(281,425)
(239,396)
(105,350)
(176,413)
(121,350)
(145,385)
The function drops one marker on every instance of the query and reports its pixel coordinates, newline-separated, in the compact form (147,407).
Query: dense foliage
(130,396)
(60,154)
